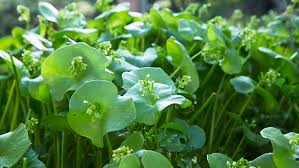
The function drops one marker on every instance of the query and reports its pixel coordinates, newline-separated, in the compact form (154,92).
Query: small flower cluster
(77,66)
(92,111)
(105,47)
(242,163)
(71,16)
(120,153)
(249,38)
(294,141)
(213,55)
(147,87)
(269,78)
(30,124)
(24,12)
(182,82)
(32,65)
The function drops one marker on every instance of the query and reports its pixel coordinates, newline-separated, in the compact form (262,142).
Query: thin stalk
(7,103)
(62,150)
(57,151)
(209,75)
(78,152)
(196,55)
(200,110)
(169,114)
(24,165)
(224,108)
(142,43)
(109,147)
(238,147)
(212,130)
(15,114)
(177,70)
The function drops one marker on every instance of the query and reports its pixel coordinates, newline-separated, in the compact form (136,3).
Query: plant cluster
(153,90)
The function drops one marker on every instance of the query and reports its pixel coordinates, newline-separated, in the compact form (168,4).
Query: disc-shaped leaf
(13,145)
(111,111)
(37,88)
(148,110)
(156,74)
(243,84)
(151,159)
(282,155)
(58,75)
(180,59)
(129,161)
(265,160)
(218,160)
(134,141)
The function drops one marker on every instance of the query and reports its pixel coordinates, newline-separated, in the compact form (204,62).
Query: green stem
(209,75)
(57,151)
(78,152)
(109,147)
(7,103)
(177,70)
(224,108)
(15,114)
(200,110)
(212,130)
(24,165)
(169,114)
(62,150)
(238,147)
(196,55)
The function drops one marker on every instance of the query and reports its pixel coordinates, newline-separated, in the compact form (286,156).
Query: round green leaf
(156,74)
(115,112)
(56,68)
(282,154)
(13,145)
(265,160)
(181,59)
(37,88)
(218,160)
(134,141)
(129,161)
(152,159)
(148,110)
(243,84)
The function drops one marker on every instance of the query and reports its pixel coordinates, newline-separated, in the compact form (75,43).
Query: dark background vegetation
(8,14)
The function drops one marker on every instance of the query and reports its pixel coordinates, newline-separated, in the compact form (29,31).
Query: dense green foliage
(158,89)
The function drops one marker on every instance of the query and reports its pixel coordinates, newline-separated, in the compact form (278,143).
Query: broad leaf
(218,160)
(13,145)
(243,84)
(134,141)
(111,112)
(151,159)
(58,75)
(180,59)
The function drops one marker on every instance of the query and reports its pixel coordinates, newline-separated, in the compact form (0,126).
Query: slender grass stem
(200,110)
(6,108)
(109,147)
(15,114)
(238,147)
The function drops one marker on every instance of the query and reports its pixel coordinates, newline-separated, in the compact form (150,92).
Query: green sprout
(213,55)
(24,12)
(147,88)
(294,141)
(238,14)
(249,38)
(33,65)
(30,124)
(269,78)
(77,66)
(183,81)
(92,111)
(119,153)
(242,163)
(105,47)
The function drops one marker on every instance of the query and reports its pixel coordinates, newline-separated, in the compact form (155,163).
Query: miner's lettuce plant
(154,89)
